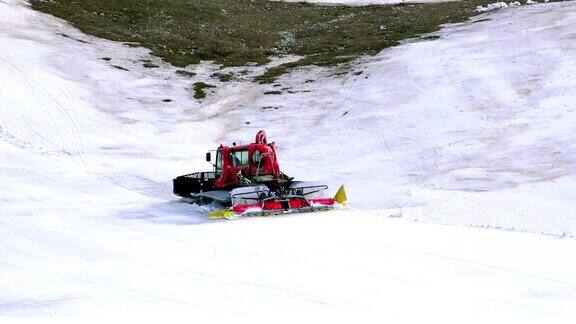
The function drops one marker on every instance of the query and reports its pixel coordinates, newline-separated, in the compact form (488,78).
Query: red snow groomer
(247,180)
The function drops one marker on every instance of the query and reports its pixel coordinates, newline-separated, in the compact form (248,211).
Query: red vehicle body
(248,178)
(256,162)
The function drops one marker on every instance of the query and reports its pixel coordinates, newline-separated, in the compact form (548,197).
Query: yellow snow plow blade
(219,214)
(341,198)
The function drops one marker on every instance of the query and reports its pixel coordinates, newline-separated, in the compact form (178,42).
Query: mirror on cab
(208,157)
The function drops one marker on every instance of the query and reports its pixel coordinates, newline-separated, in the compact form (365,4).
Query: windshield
(240,158)
(219,161)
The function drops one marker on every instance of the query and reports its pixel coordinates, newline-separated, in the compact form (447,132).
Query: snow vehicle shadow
(174,212)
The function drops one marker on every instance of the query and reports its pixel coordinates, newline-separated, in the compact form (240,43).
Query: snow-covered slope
(472,128)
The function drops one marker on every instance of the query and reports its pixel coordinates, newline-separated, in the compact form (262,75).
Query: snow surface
(473,128)
(503,5)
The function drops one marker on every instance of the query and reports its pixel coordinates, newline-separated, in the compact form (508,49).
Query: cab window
(240,158)
(219,161)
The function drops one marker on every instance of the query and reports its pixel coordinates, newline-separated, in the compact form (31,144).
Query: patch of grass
(223,77)
(200,89)
(67,36)
(325,59)
(237,32)
(185,73)
(120,67)
(273,92)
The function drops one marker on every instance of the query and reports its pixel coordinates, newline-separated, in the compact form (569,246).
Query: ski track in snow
(474,128)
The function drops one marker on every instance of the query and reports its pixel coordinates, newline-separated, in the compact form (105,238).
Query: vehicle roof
(237,147)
